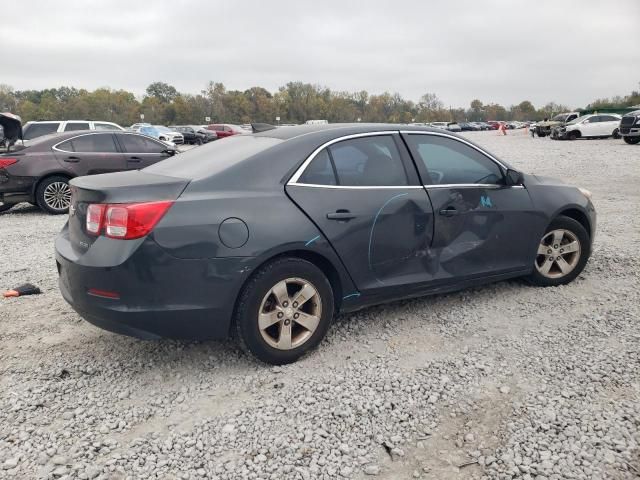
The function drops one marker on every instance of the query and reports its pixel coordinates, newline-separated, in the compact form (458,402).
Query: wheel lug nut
(287,322)
(280,315)
(285,304)
(562,250)
(551,259)
(296,315)
(295,304)
(549,251)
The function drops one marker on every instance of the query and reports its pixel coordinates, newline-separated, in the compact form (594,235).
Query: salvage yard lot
(499,381)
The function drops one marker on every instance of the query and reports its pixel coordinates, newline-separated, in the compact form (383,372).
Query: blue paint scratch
(351,295)
(374,225)
(312,240)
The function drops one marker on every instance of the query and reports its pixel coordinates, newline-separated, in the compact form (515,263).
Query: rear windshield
(213,157)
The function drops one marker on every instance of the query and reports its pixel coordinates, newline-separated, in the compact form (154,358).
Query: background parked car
(630,127)
(544,128)
(37,129)
(191,135)
(227,129)
(208,135)
(40,172)
(589,126)
(155,132)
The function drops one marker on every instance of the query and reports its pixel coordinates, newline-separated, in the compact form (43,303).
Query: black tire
(616,134)
(631,140)
(5,206)
(573,135)
(42,195)
(573,226)
(250,302)
(198,141)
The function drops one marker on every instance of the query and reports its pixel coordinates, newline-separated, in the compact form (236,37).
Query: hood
(12,125)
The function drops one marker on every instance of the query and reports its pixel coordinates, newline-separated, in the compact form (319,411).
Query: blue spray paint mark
(351,295)
(486,201)
(374,225)
(312,240)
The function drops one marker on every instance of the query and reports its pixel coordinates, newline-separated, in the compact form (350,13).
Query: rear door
(591,127)
(140,150)
(89,154)
(363,193)
(482,226)
(608,123)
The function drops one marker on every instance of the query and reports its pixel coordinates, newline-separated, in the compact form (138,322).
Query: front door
(90,154)
(482,226)
(363,194)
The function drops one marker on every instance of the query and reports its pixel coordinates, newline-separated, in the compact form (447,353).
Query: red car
(226,129)
(494,125)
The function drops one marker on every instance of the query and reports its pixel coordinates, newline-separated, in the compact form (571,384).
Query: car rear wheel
(562,253)
(284,311)
(54,195)
(616,134)
(632,140)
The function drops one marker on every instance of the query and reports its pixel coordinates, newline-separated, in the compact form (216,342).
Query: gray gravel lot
(503,381)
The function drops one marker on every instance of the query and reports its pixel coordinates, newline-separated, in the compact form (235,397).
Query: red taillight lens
(125,221)
(95,214)
(5,162)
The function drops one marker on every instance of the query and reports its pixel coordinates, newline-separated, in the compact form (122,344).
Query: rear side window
(140,144)
(105,126)
(608,118)
(96,143)
(73,126)
(320,171)
(451,162)
(36,130)
(361,162)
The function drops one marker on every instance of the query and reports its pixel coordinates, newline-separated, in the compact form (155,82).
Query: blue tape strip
(312,240)
(351,295)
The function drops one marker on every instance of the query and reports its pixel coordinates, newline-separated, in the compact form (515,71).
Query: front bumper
(630,131)
(159,295)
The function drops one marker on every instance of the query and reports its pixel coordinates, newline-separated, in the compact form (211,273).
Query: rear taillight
(125,221)
(5,162)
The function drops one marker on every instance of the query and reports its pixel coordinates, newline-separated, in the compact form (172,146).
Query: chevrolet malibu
(270,235)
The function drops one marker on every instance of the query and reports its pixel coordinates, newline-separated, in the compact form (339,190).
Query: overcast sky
(570,52)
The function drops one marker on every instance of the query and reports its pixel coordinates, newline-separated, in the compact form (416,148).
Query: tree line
(295,102)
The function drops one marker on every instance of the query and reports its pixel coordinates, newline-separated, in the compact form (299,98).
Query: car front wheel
(562,253)
(632,140)
(284,311)
(53,195)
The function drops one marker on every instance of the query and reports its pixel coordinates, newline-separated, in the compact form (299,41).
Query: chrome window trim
(357,187)
(101,132)
(298,173)
(461,140)
(471,185)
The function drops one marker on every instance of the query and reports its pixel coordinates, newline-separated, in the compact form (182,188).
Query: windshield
(160,128)
(560,118)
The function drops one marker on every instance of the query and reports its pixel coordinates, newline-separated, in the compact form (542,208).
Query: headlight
(585,192)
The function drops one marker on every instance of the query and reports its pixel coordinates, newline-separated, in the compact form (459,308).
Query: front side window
(96,143)
(140,144)
(451,162)
(36,130)
(73,126)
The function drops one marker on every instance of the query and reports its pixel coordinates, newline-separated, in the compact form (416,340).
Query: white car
(169,135)
(588,126)
(32,130)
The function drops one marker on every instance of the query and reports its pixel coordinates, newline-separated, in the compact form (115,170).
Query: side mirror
(170,152)
(514,177)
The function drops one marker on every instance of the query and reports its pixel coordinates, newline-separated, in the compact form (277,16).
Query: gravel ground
(503,381)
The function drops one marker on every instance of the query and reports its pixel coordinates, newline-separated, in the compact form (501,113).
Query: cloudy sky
(570,51)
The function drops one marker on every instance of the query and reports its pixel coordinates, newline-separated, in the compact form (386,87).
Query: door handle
(341,215)
(134,159)
(449,212)
(72,159)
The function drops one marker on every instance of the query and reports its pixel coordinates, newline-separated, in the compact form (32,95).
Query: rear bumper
(14,189)
(159,295)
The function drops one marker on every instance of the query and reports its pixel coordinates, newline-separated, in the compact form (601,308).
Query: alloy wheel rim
(57,195)
(290,313)
(558,253)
